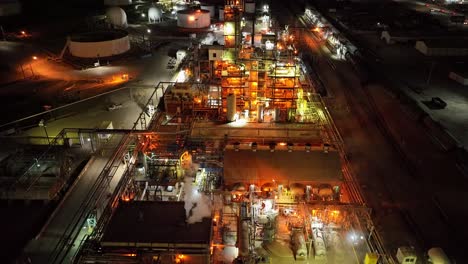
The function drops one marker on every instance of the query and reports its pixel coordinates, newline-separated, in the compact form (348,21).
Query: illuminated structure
(260,68)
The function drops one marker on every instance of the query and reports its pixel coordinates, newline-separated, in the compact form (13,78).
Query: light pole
(42,124)
(30,64)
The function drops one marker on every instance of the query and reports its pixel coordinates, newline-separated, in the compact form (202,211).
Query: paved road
(73,209)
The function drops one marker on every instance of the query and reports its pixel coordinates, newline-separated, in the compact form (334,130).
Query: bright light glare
(229,29)
(148,30)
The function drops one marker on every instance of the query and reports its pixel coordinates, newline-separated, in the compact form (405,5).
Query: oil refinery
(239,163)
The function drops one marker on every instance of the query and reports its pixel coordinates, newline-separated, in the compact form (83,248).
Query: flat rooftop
(282,166)
(154,224)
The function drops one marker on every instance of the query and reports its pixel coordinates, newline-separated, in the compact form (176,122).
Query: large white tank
(221,14)
(117,16)
(210,8)
(9,8)
(117,2)
(193,18)
(154,14)
(99,44)
(231,107)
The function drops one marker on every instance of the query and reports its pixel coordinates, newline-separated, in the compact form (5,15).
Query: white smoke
(197,205)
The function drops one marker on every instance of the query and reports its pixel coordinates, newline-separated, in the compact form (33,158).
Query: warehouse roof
(282,166)
(154,222)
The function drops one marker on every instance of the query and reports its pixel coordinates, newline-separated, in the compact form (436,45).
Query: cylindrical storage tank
(209,8)
(9,8)
(437,256)
(193,18)
(231,107)
(99,44)
(221,14)
(117,2)
(154,14)
(250,8)
(117,16)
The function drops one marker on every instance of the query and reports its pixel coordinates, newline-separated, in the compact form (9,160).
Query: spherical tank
(210,8)
(117,2)
(99,44)
(117,16)
(193,18)
(154,14)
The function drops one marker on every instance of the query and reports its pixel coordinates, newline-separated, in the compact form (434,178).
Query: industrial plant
(224,146)
(239,163)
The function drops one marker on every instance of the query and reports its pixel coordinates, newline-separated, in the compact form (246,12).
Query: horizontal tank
(193,18)
(298,244)
(99,44)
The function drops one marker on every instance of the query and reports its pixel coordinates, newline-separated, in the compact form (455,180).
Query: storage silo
(231,107)
(190,18)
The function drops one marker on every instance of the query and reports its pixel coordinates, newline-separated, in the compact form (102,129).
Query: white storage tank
(231,107)
(99,44)
(116,16)
(117,2)
(221,14)
(193,18)
(154,14)
(210,8)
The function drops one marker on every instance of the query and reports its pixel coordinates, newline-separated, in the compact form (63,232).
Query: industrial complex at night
(234,131)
